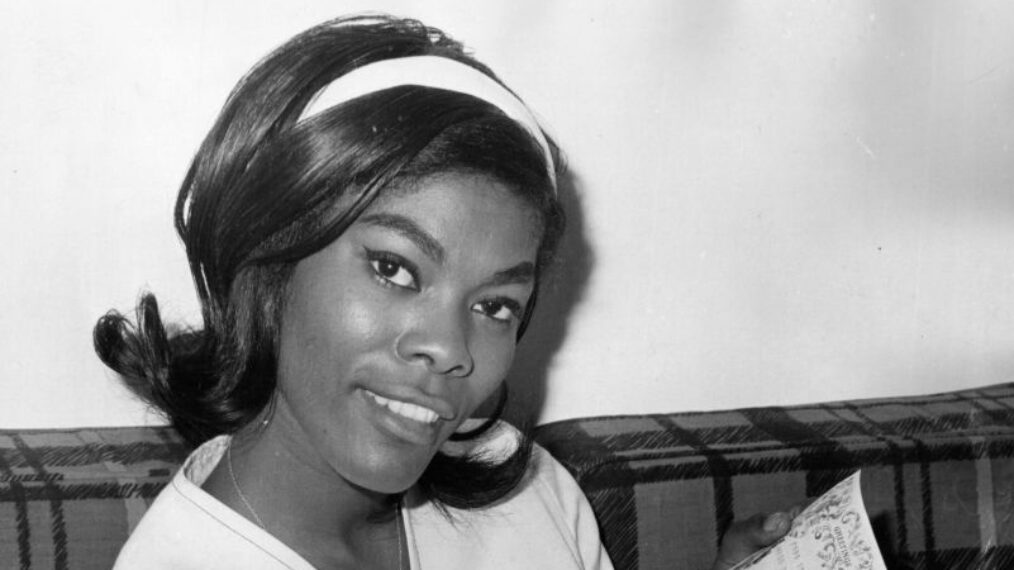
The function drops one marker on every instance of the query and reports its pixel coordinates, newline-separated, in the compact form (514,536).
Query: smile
(405,409)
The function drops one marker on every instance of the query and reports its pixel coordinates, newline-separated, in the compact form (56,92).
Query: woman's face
(396,332)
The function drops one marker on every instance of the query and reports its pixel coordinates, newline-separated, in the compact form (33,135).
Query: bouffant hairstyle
(267,189)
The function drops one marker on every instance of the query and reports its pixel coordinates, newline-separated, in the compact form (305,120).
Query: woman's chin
(386,485)
(388,477)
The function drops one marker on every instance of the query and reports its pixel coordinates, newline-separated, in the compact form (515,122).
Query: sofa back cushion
(69,498)
(938,475)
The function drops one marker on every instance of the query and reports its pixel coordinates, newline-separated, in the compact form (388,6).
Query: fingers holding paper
(747,536)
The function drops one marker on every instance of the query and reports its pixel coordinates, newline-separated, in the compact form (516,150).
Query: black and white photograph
(557,284)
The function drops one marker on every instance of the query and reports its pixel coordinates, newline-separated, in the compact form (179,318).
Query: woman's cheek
(499,357)
(368,315)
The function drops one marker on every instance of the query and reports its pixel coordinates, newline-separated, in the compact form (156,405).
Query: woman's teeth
(406,409)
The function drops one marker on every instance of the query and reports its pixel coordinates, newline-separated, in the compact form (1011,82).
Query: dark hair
(267,189)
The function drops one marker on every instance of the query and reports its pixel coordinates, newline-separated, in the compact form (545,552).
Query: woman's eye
(393,271)
(502,310)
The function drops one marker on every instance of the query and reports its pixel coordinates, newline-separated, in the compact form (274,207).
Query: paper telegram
(833,533)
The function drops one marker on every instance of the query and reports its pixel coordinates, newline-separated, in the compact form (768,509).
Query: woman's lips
(405,409)
(407,421)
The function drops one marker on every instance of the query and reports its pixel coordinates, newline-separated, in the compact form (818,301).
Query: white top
(547,524)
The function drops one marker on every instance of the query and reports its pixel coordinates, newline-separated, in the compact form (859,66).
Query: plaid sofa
(938,479)
(938,475)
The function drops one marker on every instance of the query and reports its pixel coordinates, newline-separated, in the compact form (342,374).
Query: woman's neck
(272,477)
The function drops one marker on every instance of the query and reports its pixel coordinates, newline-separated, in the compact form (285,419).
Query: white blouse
(546,524)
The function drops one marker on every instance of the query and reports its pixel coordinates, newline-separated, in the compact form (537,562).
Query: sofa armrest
(938,474)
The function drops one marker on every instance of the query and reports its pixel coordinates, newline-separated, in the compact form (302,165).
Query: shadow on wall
(562,291)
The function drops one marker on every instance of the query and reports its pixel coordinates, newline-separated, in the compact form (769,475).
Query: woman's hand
(748,536)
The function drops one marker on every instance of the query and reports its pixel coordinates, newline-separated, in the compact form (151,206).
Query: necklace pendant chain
(235,484)
(401,546)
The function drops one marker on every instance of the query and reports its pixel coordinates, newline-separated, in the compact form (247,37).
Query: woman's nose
(440,340)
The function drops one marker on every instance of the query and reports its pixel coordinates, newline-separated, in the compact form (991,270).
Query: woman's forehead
(446,196)
(460,211)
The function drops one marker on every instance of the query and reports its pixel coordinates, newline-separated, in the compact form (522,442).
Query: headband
(430,71)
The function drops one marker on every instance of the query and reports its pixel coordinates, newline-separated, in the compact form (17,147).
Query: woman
(366,223)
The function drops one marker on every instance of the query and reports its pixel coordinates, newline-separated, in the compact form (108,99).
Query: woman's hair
(267,189)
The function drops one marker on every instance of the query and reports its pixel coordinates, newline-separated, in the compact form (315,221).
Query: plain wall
(773,202)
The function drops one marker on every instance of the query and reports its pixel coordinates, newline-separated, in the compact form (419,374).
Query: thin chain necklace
(401,547)
(249,507)
(235,484)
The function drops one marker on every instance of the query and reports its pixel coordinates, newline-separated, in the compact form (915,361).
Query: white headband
(429,71)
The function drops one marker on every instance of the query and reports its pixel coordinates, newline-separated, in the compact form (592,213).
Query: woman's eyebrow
(523,272)
(411,230)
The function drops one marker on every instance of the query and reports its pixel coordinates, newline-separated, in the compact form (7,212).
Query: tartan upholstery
(69,498)
(938,475)
(938,479)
